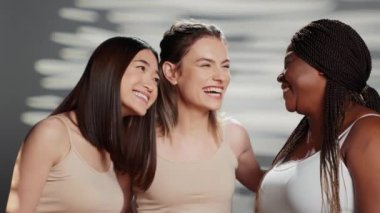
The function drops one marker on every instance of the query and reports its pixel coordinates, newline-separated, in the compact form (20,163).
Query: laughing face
(139,84)
(204,74)
(303,86)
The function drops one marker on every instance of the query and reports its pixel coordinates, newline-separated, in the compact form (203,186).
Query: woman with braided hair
(331,161)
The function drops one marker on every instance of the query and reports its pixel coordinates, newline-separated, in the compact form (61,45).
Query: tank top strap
(226,150)
(64,120)
(344,134)
(223,144)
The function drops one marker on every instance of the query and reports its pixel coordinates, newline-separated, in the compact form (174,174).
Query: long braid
(371,98)
(339,52)
(335,99)
(297,136)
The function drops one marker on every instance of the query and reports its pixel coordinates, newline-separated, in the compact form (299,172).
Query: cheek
(186,86)
(304,86)
(154,96)
(122,89)
(228,79)
(312,96)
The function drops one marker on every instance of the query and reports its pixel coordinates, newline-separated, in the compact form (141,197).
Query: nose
(150,82)
(221,75)
(280,78)
(149,86)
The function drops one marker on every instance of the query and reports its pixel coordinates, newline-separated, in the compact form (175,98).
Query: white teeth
(141,95)
(213,90)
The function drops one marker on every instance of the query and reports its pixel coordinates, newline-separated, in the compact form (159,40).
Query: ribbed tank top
(294,186)
(204,186)
(73,185)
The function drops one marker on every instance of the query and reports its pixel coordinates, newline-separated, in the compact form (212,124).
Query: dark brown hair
(175,44)
(96,101)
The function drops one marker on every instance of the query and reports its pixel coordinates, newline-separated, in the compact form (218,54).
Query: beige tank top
(205,186)
(74,186)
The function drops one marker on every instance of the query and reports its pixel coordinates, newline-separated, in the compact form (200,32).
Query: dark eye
(287,62)
(142,68)
(157,79)
(205,65)
(227,66)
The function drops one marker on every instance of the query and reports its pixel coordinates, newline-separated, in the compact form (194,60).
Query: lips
(285,88)
(215,91)
(141,95)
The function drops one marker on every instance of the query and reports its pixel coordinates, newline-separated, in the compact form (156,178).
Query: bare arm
(42,149)
(363,162)
(248,171)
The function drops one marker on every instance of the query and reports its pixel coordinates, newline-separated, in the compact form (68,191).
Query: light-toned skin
(139,84)
(205,67)
(48,142)
(361,149)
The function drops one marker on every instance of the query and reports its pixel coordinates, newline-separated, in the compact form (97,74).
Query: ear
(170,72)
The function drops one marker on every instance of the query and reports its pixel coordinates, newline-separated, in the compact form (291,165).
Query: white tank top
(294,186)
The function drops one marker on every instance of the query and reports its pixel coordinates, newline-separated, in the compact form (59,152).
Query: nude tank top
(73,185)
(204,186)
(294,186)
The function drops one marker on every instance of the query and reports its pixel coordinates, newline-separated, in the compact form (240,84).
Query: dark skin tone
(361,149)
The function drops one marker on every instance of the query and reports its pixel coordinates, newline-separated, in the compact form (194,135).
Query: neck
(315,134)
(316,122)
(192,121)
(353,112)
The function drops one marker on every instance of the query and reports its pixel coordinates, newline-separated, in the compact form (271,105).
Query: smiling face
(138,87)
(204,74)
(303,86)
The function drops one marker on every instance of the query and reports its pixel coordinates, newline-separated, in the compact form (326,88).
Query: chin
(214,107)
(290,108)
(138,112)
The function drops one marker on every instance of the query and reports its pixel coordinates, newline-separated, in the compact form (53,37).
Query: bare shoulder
(50,128)
(367,130)
(232,128)
(235,134)
(50,137)
(364,137)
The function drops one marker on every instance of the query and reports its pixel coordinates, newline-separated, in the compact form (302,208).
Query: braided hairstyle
(338,51)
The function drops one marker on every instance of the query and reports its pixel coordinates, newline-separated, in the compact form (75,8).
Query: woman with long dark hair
(331,161)
(102,132)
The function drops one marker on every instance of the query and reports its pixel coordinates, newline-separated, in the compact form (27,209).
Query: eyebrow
(289,57)
(146,63)
(142,61)
(289,54)
(211,61)
(286,59)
